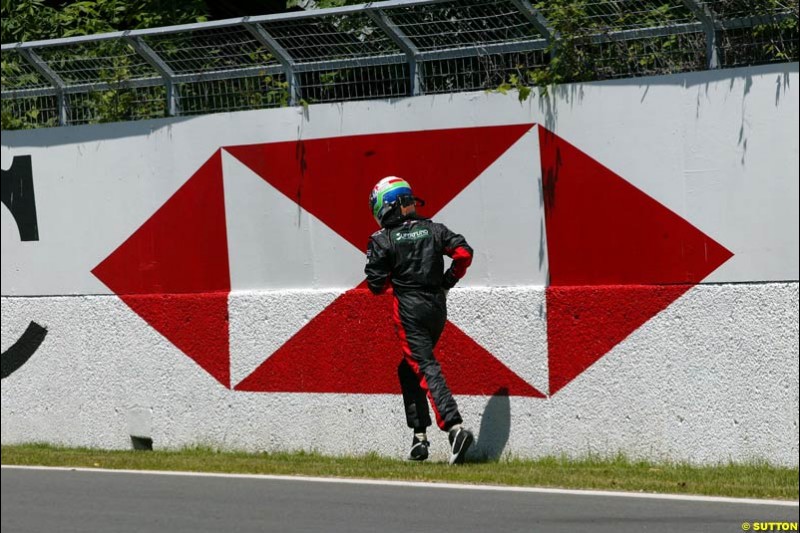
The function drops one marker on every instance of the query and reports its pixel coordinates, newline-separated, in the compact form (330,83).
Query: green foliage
(577,55)
(324,4)
(15,118)
(30,20)
(277,93)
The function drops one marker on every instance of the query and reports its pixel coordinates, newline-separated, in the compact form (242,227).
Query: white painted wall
(712,378)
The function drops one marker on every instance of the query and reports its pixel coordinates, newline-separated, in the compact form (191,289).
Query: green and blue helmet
(386,194)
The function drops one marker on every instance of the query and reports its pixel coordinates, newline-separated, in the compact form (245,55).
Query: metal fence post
(406,45)
(280,53)
(539,22)
(706,17)
(50,75)
(153,59)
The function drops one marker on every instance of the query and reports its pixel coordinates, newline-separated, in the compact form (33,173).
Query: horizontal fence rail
(378,50)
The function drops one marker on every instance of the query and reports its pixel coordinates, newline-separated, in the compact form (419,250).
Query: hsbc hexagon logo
(174,270)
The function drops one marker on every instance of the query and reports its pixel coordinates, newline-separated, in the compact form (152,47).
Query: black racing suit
(409,254)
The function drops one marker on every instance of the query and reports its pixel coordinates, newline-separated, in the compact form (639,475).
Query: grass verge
(753,480)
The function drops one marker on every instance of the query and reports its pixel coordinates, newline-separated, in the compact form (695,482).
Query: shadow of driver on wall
(495,428)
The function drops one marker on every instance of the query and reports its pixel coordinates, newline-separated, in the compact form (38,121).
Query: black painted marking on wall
(22,350)
(142,443)
(18,196)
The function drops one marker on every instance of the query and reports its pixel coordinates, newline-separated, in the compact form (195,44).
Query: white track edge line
(422,484)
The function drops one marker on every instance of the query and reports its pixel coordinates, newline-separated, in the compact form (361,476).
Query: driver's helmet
(386,195)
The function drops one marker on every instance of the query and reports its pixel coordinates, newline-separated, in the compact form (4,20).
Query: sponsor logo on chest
(413,235)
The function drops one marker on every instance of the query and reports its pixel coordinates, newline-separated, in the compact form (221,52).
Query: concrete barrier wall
(199,280)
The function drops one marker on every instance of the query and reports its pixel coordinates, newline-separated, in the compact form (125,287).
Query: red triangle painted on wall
(351,347)
(197,324)
(332,178)
(585,323)
(173,271)
(611,249)
(601,230)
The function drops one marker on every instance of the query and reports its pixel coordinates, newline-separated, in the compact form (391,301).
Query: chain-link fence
(381,50)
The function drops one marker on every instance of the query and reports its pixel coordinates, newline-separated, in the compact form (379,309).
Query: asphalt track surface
(68,500)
